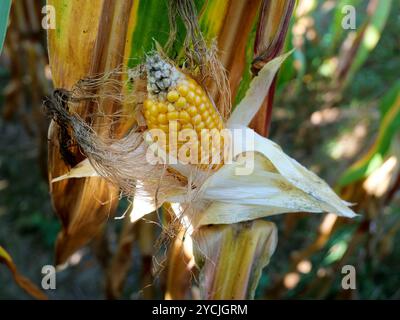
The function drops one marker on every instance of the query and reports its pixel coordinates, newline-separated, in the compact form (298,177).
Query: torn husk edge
(231,257)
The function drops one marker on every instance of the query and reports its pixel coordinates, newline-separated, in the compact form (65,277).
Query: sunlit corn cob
(177,102)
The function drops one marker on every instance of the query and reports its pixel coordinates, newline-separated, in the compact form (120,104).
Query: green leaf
(390,124)
(152,24)
(4,12)
(336,30)
(247,75)
(370,36)
(28,286)
(389,99)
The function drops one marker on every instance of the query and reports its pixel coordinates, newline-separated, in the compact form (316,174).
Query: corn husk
(232,257)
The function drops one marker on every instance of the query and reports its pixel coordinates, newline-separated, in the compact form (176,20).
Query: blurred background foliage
(336,110)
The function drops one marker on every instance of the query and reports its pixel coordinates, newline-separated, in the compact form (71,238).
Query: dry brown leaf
(121,260)
(92,35)
(29,287)
(180,264)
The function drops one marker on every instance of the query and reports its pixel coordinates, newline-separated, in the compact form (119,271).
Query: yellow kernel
(202,107)
(171,107)
(190,97)
(209,123)
(147,114)
(153,119)
(196,119)
(183,90)
(147,103)
(187,126)
(164,127)
(162,118)
(197,100)
(174,115)
(216,120)
(162,107)
(184,117)
(199,91)
(192,110)
(172,96)
(200,126)
(181,102)
(192,85)
(205,115)
(153,110)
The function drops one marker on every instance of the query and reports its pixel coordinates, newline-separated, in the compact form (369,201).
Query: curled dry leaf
(22,281)
(81,170)
(255,95)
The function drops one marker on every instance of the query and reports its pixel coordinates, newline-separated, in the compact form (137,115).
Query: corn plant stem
(266,50)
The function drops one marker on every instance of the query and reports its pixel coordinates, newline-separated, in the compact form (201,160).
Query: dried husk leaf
(255,95)
(81,170)
(231,258)
(29,287)
(92,35)
(278,184)
(179,270)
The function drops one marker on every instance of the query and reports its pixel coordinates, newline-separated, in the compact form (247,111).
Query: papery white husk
(277,184)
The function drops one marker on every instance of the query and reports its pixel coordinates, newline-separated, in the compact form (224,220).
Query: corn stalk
(270,38)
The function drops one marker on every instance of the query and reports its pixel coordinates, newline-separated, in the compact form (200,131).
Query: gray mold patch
(161,75)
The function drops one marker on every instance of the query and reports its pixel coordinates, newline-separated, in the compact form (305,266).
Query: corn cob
(176,102)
